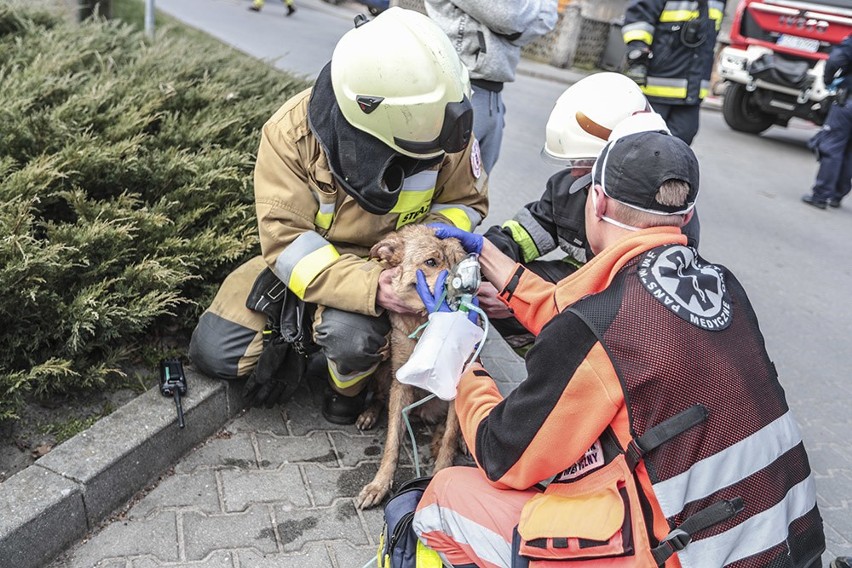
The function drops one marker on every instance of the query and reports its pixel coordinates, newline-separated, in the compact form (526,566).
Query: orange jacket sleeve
(571,394)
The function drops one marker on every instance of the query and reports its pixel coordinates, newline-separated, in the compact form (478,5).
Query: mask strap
(602,159)
(610,220)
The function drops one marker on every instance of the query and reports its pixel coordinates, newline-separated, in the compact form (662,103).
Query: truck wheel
(741,111)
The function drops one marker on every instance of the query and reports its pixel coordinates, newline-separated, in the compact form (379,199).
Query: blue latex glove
(471,242)
(431,300)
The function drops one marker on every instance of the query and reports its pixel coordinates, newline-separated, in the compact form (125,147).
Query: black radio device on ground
(173,384)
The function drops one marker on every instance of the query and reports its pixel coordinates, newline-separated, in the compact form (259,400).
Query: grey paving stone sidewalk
(273,487)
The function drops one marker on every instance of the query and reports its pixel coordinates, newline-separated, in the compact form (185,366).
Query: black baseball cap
(632,169)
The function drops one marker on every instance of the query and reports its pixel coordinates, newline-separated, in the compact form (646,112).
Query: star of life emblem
(688,286)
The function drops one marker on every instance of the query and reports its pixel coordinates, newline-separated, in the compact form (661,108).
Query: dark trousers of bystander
(682,120)
(833,146)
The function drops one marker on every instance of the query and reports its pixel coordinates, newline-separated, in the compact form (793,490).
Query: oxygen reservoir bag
(441,352)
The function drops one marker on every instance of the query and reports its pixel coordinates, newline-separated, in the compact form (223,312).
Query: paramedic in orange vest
(651,429)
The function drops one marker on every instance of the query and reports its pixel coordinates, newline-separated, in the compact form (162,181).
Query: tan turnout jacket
(317,238)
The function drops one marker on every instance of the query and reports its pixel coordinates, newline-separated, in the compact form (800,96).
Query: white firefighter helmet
(648,121)
(584,116)
(398,78)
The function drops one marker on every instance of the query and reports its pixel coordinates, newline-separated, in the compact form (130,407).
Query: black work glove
(279,372)
(638,74)
(638,56)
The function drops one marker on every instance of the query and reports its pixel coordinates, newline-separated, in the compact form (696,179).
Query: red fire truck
(774,64)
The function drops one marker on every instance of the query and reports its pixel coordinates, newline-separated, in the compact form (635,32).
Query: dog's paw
(372,494)
(369,418)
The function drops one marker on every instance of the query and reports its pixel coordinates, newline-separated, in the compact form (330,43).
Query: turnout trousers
(228,339)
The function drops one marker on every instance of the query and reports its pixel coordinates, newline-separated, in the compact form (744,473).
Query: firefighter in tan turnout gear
(383,139)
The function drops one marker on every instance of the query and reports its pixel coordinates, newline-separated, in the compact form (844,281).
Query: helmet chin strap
(610,220)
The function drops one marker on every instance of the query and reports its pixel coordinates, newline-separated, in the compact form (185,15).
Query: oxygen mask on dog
(450,337)
(463,282)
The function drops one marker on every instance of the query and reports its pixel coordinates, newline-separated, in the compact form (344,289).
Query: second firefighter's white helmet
(398,78)
(584,116)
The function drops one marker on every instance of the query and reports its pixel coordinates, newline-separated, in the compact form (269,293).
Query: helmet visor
(455,132)
(582,162)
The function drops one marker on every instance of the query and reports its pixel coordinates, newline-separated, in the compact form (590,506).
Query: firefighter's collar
(580,183)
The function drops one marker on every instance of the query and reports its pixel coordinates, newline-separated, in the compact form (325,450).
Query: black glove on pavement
(279,372)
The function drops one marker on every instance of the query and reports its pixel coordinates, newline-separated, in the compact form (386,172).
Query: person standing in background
(488,36)
(833,144)
(257,6)
(670,47)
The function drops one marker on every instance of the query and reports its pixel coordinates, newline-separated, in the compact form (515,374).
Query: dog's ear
(389,250)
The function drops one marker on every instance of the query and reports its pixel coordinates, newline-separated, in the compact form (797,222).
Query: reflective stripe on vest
(709,475)
(755,534)
(303,260)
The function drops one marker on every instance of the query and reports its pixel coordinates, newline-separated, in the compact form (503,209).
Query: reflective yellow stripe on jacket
(677,11)
(462,216)
(303,260)
(415,197)
(523,240)
(685,11)
(671,88)
(325,215)
(641,31)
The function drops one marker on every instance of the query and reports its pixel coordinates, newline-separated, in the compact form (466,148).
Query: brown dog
(412,248)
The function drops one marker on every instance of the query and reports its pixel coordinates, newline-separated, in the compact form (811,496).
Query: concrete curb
(53,503)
